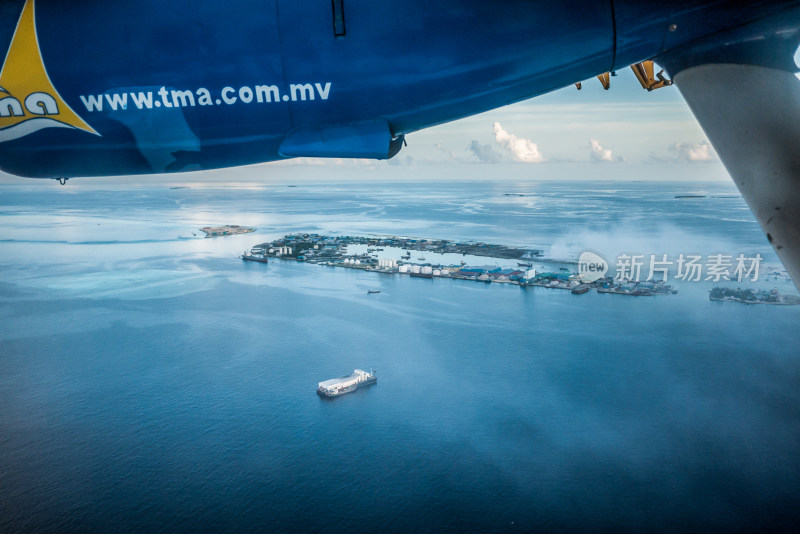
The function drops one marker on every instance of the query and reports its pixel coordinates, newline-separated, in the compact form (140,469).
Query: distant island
(230,229)
(332,251)
(752,296)
(315,246)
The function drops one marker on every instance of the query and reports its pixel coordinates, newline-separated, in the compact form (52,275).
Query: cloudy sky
(624,133)
(623,124)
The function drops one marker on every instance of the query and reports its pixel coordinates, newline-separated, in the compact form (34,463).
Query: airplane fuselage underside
(132,87)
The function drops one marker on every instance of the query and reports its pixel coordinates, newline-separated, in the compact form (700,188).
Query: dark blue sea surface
(152,381)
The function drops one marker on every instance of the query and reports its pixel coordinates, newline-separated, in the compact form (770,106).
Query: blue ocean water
(151,381)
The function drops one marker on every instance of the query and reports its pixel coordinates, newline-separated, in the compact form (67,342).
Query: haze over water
(151,380)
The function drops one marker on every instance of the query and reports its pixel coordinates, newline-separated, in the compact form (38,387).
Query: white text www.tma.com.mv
(173,98)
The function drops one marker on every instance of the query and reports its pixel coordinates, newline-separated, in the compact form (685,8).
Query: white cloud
(627,237)
(701,151)
(484,153)
(598,152)
(445,150)
(523,150)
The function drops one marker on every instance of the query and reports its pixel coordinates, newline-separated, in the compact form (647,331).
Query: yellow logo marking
(28,100)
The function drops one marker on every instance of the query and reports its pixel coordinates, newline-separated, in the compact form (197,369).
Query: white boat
(339,386)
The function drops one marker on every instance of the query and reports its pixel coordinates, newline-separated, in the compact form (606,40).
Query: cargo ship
(339,386)
(261,258)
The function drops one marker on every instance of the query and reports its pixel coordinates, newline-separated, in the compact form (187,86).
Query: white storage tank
(415,269)
(427,269)
(403,269)
(437,272)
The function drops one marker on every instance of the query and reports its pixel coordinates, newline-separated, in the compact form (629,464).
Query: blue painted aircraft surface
(137,86)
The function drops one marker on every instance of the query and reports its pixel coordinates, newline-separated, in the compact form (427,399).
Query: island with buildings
(752,296)
(393,255)
(316,246)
